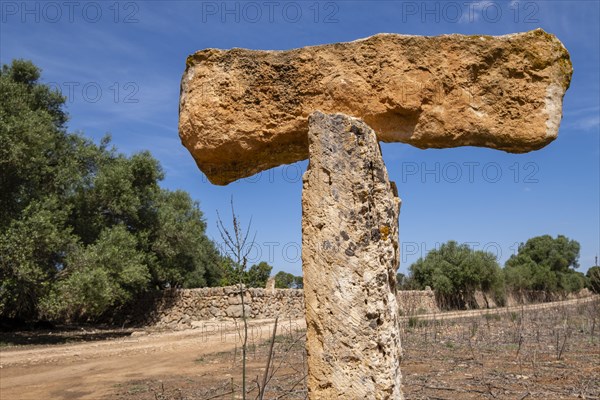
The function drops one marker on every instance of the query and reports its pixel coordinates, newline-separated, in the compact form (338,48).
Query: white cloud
(583,119)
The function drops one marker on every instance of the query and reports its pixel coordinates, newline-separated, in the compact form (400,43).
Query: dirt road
(502,310)
(92,370)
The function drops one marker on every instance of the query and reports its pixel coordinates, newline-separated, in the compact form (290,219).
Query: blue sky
(120,64)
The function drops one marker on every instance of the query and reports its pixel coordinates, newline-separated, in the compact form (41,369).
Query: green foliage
(31,133)
(546,264)
(83,228)
(593,276)
(455,272)
(285,280)
(572,282)
(98,276)
(258,274)
(32,248)
(230,275)
(299,282)
(182,254)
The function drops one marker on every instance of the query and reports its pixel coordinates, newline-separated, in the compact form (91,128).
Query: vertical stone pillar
(270,286)
(349,257)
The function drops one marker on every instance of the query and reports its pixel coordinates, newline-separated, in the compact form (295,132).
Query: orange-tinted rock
(244,111)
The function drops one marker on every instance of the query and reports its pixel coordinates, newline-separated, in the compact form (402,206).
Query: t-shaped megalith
(244,111)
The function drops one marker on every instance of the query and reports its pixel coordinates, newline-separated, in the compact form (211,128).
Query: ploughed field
(548,351)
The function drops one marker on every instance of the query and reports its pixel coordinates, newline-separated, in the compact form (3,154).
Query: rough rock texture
(244,111)
(270,285)
(179,308)
(415,302)
(349,259)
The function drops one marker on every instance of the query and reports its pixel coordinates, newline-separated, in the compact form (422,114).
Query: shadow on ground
(61,335)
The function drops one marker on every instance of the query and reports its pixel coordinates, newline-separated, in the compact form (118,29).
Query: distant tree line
(542,264)
(256,276)
(83,228)
(285,280)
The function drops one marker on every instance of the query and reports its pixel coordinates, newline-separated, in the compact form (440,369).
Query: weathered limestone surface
(270,286)
(179,308)
(349,258)
(244,111)
(415,302)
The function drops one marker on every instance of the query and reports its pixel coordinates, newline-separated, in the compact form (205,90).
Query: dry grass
(538,354)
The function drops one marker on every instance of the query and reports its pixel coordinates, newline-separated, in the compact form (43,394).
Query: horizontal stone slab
(243,111)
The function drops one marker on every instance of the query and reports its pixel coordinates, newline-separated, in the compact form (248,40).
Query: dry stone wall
(180,308)
(414,302)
